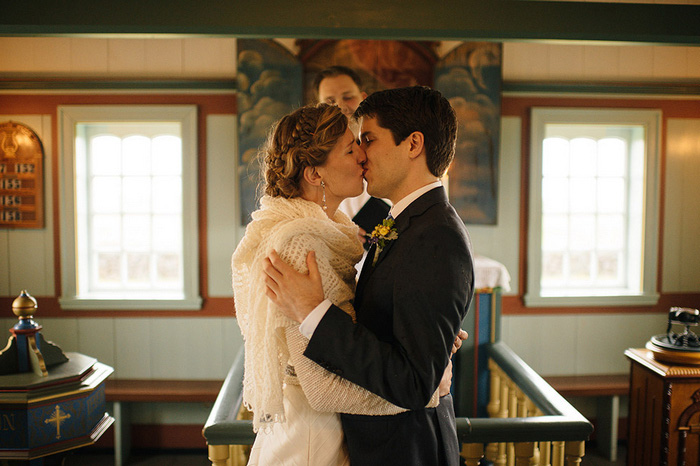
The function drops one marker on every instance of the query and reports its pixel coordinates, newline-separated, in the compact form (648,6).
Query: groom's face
(385,166)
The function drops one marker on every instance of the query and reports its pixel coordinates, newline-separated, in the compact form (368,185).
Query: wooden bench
(607,388)
(123,392)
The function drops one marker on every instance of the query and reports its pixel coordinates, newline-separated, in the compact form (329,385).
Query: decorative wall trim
(647,90)
(100,84)
(514,305)
(48,307)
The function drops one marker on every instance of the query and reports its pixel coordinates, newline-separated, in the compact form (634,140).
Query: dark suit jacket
(409,308)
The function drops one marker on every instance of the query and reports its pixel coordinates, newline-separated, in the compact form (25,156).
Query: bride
(311,163)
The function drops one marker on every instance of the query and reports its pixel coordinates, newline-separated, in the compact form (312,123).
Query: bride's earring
(323,200)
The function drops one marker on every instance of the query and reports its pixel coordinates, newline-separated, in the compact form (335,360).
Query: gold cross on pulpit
(58,418)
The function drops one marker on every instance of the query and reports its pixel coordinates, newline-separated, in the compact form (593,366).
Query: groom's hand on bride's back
(295,293)
(446,381)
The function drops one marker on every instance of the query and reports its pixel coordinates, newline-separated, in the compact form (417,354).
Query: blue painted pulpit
(470,379)
(50,402)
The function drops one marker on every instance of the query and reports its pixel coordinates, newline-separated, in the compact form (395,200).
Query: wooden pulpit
(664,411)
(50,402)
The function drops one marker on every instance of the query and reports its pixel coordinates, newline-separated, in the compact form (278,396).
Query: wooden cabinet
(664,411)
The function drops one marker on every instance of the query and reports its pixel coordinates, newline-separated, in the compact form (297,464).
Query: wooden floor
(199,458)
(139,458)
(592,457)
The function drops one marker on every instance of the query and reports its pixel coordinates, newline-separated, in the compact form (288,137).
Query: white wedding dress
(308,438)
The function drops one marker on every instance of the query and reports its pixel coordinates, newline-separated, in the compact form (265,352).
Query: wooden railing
(225,433)
(529,423)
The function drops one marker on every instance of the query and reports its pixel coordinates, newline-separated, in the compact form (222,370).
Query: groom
(412,294)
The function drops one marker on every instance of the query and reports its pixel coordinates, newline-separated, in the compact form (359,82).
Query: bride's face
(342,171)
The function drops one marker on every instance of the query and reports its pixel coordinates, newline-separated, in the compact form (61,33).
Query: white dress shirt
(308,326)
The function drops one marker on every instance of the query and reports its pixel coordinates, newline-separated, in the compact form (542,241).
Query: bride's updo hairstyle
(299,140)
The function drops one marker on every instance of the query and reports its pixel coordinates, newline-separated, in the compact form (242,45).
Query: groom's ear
(416,144)
(312,176)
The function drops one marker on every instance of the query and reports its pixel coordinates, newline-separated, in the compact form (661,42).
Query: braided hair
(299,140)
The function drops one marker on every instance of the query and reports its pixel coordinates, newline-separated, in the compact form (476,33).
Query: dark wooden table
(664,402)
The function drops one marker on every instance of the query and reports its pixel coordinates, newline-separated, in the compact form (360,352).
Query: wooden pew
(124,392)
(607,388)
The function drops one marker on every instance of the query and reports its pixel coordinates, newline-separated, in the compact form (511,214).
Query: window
(129,207)
(593,207)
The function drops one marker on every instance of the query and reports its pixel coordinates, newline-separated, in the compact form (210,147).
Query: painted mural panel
(272,82)
(470,77)
(381,64)
(269,87)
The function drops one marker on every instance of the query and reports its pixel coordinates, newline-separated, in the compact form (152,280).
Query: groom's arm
(430,292)
(431,287)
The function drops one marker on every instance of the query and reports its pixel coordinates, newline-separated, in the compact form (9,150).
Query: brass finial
(24,305)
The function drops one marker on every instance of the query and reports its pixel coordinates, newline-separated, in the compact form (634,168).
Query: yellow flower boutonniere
(382,234)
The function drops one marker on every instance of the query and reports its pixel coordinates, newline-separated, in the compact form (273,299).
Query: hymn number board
(21,177)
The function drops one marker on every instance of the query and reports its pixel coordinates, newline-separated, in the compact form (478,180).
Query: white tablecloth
(489,273)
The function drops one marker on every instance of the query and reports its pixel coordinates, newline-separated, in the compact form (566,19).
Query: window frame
(651,120)
(68,117)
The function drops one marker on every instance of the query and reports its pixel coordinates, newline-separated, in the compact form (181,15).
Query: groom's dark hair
(408,109)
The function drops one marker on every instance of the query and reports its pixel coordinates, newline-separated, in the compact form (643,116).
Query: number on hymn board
(10,183)
(10,200)
(24,168)
(10,216)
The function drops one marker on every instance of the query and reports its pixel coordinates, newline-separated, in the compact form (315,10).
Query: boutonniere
(382,234)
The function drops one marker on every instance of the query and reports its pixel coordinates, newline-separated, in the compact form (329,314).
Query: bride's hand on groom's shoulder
(296,294)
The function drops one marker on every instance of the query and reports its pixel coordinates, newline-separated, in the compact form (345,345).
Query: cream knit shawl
(292,227)
(274,348)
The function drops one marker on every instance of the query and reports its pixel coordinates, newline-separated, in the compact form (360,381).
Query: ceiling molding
(493,20)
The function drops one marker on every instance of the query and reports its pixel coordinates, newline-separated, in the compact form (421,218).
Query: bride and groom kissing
(340,371)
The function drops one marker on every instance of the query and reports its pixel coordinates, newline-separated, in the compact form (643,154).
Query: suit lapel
(364,274)
(414,209)
(403,221)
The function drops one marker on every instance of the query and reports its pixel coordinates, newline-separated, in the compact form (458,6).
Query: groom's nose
(361,156)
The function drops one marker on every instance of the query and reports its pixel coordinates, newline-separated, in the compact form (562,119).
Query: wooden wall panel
(75,57)
(681,271)
(27,258)
(603,63)
(223,230)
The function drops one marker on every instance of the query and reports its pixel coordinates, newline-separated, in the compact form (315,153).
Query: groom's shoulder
(444,213)
(442,220)
(438,219)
